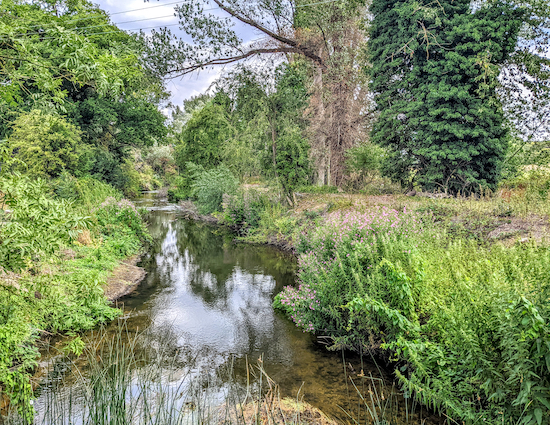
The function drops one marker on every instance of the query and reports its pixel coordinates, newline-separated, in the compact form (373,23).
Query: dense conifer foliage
(434,74)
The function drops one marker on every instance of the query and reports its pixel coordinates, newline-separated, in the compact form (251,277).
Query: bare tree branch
(284,40)
(224,61)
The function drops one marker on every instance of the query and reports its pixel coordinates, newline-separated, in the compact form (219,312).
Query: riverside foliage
(62,251)
(467,325)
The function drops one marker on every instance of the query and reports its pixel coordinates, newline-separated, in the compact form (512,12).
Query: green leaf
(538,415)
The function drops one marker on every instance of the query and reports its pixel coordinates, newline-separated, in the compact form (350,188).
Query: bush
(161,158)
(45,144)
(244,209)
(468,325)
(209,186)
(85,192)
(363,163)
(121,218)
(292,160)
(36,223)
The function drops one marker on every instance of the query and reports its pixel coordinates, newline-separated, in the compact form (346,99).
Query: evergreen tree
(434,75)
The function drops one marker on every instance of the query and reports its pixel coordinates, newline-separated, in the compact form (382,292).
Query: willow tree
(324,35)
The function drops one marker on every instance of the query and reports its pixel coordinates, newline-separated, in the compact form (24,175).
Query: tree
(525,78)
(43,52)
(325,36)
(268,114)
(292,161)
(434,76)
(45,144)
(66,57)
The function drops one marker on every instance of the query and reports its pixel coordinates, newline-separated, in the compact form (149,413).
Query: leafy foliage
(44,144)
(468,325)
(434,75)
(36,223)
(292,160)
(209,186)
(59,287)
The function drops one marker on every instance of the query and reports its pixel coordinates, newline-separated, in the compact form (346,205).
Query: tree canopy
(434,77)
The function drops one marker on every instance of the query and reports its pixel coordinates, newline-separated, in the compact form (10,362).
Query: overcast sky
(159,14)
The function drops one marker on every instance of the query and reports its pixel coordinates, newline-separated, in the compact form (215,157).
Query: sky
(159,14)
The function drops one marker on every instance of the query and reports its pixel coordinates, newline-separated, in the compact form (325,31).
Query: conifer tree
(434,75)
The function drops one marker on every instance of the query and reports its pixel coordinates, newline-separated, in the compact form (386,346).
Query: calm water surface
(211,298)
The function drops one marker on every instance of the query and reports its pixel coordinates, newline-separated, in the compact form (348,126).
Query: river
(210,299)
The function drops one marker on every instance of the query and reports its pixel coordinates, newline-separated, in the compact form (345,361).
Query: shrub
(292,160)
(161,158)
(46,144)
(468,325)
(121,217)
(244,209)
(86,192)
(209,186)
(363,163)
(36,223)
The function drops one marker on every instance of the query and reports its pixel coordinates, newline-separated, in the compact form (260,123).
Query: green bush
(45,144)
(117,218)
(209,186)
(181,189)
(467,325)
(292,160)
(244,210)
(58,294)
(85,192)
(36,224)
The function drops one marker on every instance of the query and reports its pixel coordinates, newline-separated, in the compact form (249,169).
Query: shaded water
(211,299)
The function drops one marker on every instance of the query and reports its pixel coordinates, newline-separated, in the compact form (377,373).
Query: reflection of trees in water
(209,258)
(215,252)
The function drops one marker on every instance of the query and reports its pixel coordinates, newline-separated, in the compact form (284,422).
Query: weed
(469,322)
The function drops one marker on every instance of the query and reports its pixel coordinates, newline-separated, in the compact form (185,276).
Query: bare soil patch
(124,279)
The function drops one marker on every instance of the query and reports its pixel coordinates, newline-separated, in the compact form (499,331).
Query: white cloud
(180,88)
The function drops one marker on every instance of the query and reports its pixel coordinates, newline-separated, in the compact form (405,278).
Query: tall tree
(434,76)
(325,36)
(66,57)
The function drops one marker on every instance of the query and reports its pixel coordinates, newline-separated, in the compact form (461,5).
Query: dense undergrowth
(454,291)
(467,323)
(59,241)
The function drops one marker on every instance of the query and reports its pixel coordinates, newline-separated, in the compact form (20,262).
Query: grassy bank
(453,291)
(60,240)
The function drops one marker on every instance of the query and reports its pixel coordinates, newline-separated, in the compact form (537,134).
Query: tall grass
(127,377)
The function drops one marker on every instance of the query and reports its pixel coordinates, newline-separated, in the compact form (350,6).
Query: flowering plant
(345,264)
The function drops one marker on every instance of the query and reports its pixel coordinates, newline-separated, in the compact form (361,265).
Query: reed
(127,378)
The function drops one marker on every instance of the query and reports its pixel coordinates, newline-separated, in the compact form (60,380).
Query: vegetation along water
(395,153)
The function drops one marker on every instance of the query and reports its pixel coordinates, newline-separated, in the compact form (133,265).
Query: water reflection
(209,299)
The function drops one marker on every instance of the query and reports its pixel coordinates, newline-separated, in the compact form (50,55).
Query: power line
(103,25)
(140,20)
(163,5)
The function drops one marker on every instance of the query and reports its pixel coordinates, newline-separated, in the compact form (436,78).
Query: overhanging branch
(179,72)
(284,40)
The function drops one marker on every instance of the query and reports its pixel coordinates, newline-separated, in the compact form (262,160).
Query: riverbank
(487,220)
(60,256)
(124,279)
(453,290)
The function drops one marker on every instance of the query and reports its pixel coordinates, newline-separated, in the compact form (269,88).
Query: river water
(211,298)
